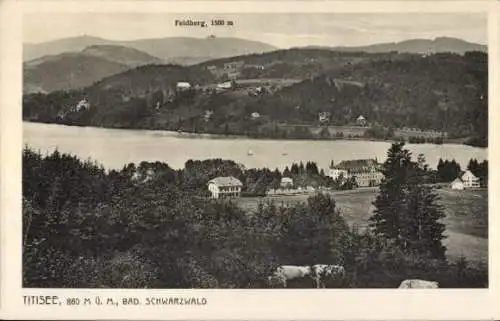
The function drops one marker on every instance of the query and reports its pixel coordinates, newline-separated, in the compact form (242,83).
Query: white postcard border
(230,304)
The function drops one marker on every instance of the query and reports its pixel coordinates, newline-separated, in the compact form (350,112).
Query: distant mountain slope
(171,49)
(168,49)
(440,44)
(442,92)
(67,71)
(121,54)
(55,47)
(73,70)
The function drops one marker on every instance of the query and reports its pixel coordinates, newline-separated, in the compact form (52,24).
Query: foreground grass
(466,216)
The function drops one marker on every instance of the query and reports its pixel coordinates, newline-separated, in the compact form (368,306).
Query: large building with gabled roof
(225,186)
(366,172)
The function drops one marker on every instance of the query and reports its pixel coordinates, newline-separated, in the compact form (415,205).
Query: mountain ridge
(416,45)
(165,48)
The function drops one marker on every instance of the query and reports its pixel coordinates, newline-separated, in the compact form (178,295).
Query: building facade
(361,121)
(183,86)
(470,180)
(286,182)
(366,172)
(227,186)
(457,184)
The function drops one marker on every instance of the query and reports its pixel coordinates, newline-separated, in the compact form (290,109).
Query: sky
(278,29)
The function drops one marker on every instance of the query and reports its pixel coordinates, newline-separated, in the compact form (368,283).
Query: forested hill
(439,44)
(444,92)
(441,92)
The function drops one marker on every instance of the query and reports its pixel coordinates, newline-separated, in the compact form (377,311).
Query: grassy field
(466,216)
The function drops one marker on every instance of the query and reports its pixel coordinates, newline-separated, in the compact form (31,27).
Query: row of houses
(324,117)
(366,172)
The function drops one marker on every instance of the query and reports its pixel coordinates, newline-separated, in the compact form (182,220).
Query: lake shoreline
(212,136)
(113,148)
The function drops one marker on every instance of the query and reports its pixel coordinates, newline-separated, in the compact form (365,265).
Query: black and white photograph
(255,151)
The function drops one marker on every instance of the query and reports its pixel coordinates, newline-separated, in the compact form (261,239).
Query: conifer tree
(407,211)
(286,172)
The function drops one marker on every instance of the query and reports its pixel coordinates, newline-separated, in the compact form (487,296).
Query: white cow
(286,273)
(418,284)
(323,272)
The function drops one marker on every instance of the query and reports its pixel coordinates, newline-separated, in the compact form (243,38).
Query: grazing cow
(323,272)
(286,273)
(418,284)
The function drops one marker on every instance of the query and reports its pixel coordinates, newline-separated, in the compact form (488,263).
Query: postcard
(242,160)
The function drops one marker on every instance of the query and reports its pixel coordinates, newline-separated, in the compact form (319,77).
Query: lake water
(113,148)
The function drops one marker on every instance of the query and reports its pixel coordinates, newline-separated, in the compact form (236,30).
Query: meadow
(466,216)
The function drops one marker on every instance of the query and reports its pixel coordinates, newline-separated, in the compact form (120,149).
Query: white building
(337,172)
(227,186)
(286,182)
(457,184)
(366,172)
(183,85)
(361,120)
(225,85)
(208,115)
(82,105)
(324,117)
(255,115)
(470,180)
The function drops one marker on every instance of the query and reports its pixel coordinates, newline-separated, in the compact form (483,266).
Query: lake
(113,148)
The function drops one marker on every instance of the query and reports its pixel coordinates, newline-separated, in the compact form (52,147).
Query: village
(364,173)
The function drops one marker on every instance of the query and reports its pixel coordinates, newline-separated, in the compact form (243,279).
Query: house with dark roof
(366,172)
(225,186)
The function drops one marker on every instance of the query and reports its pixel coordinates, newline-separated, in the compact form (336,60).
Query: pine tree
(301,168)
(421,230)
(440,168)
(286,172)
(407,211)
(389,204)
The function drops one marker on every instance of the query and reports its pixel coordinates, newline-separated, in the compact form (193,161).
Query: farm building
(226,186)
(361,121)
(183,85)
(286,182)
(366,172)
(457,184)
(324,117)
(469,180)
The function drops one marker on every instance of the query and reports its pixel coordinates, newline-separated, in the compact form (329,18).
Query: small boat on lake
(249,153)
